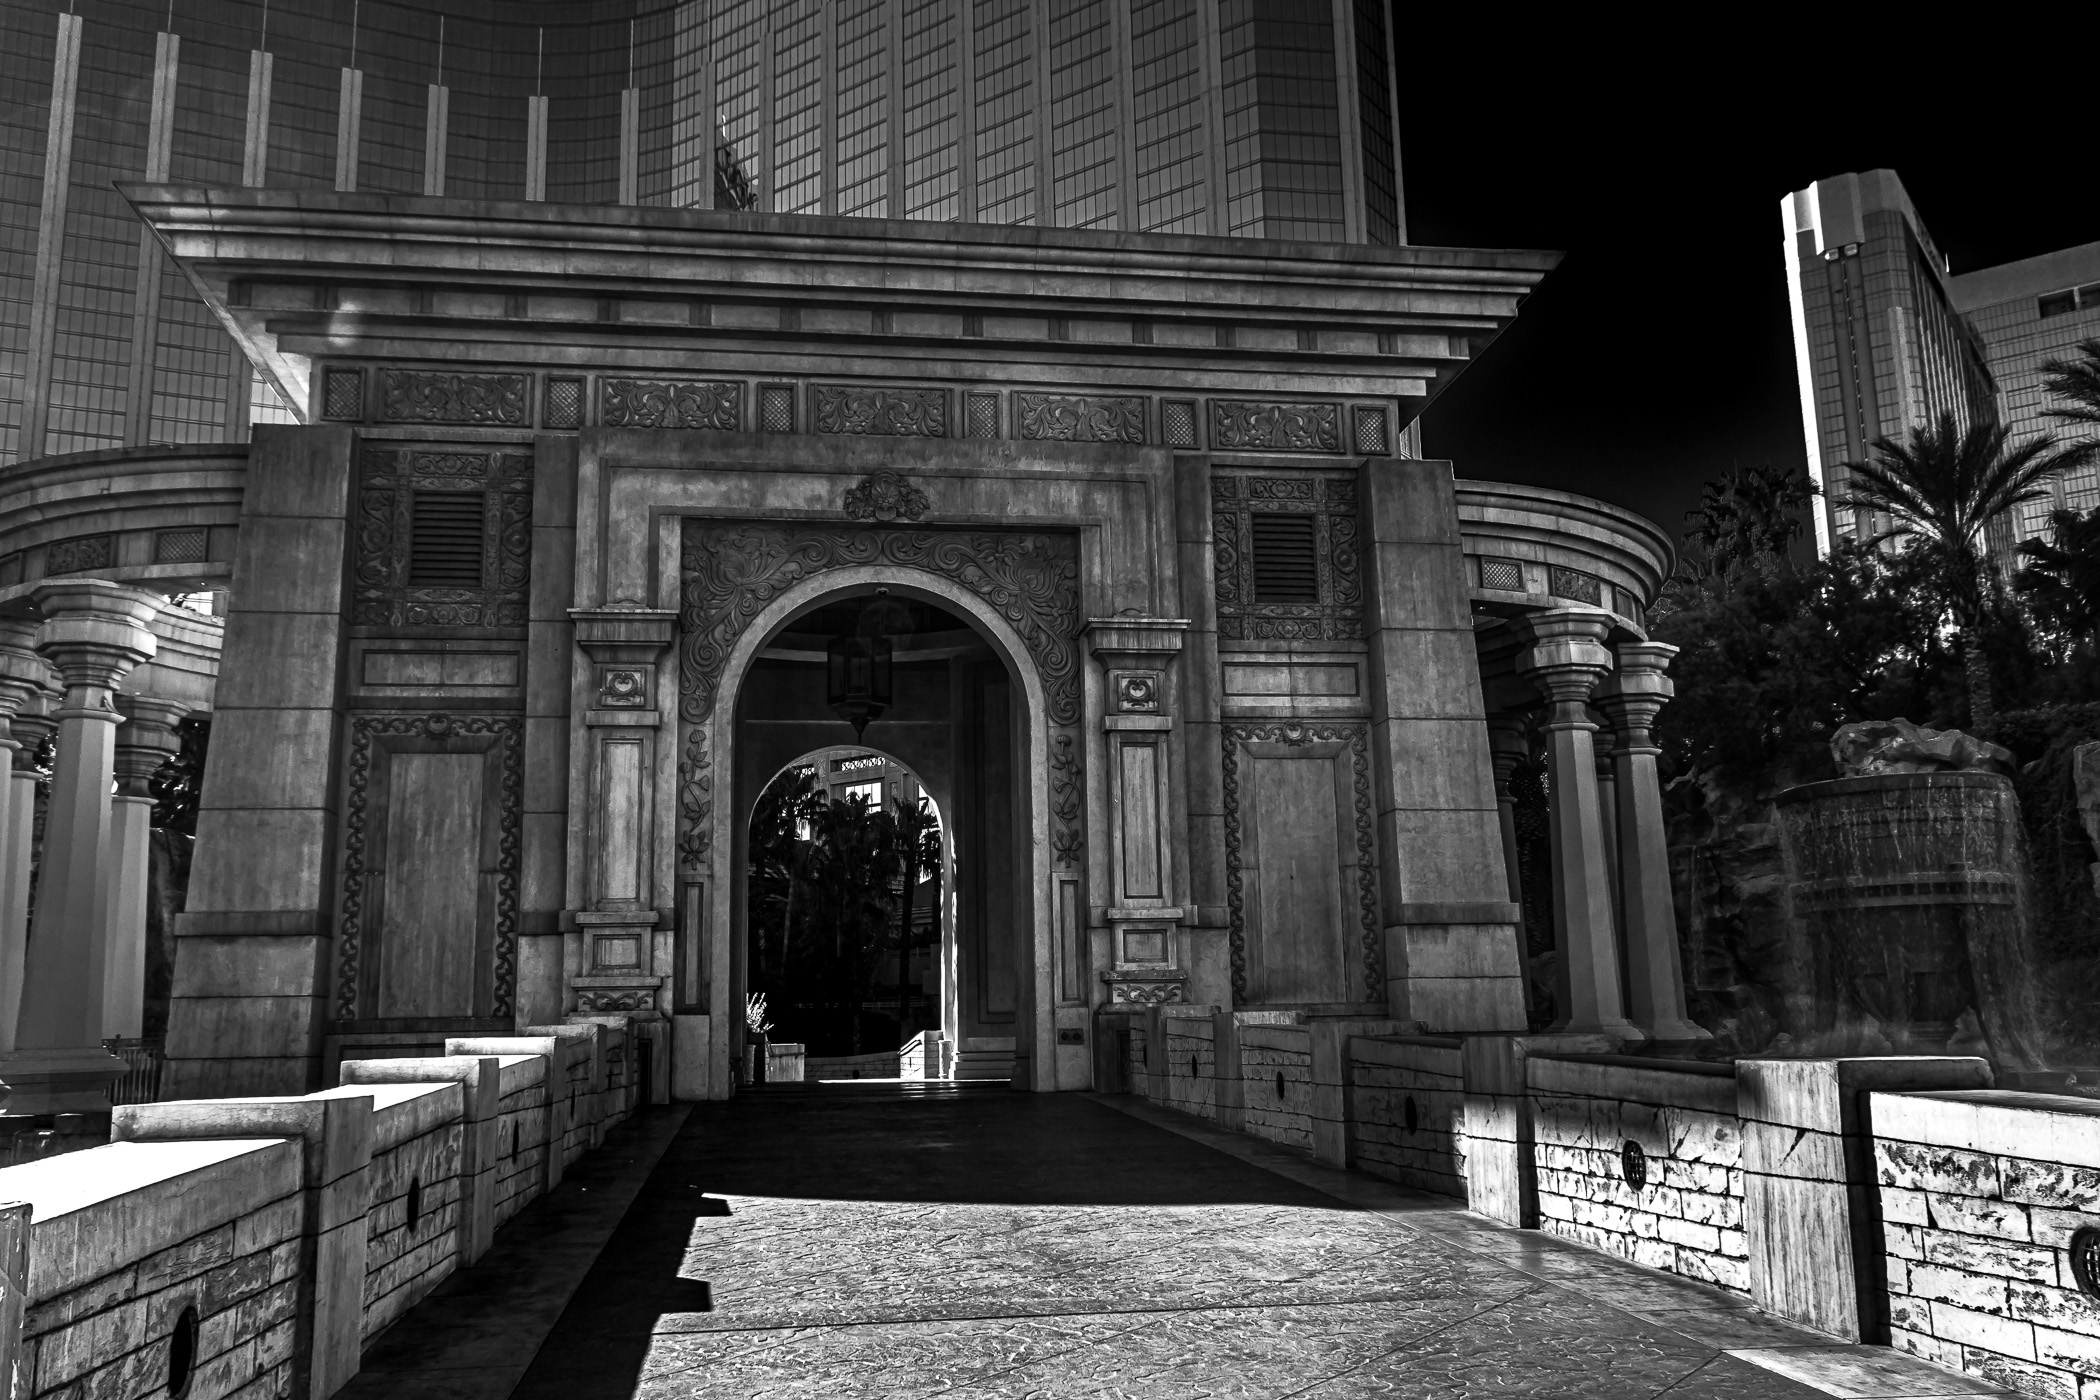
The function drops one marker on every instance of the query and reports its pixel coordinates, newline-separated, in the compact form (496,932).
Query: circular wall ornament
(1633,1161)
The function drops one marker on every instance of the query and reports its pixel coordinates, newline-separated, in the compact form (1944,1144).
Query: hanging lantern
(858,687)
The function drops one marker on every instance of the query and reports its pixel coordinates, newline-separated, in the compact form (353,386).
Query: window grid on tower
(1005,113)
(1168,103)
(1083,113)
(933,167)
(798,108)
(862,85)
(740,37)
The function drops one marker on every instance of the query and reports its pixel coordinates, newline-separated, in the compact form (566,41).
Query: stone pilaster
(1142,768)
(145,741)
(1565,657)
(620,954)
(93,634)
(1633,696)
(24,677)
(1508,749)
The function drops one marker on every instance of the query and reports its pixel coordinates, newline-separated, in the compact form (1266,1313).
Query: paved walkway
(900,1241)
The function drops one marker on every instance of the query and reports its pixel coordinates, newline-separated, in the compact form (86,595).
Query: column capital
(1563,653)
(24,676)
(31,725)
(146,740)
(1637,690)
(94,633)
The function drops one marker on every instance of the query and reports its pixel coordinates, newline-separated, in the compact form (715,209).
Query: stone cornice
(297,274)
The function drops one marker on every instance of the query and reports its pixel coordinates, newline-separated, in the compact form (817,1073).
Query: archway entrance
(848,924)
(960,724)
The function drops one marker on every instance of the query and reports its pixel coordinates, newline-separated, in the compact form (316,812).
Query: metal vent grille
(984,415)
(562,407)
(1177,423)
(343,394)
(1370,432)
(179,547)
(1286,559)
(776,408)
(445,539)
(1505,574)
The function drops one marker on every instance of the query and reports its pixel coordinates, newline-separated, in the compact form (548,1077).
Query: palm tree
(2062,581)
(2075,384)
(918,854)
(1943,489)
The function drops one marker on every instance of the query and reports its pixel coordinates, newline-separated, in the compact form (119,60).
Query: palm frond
(2075,384)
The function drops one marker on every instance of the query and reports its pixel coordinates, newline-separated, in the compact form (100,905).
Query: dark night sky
(1658,353)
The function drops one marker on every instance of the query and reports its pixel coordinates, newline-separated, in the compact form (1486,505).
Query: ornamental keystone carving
(886,496)
(475,400)
(713,405)
(1145,993)
(631,999)
(620,688)
(1298,734)
(882,412)
(1237,425)
(1081,418)
(1137,692)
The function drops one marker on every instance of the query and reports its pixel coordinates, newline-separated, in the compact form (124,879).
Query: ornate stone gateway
(534,551)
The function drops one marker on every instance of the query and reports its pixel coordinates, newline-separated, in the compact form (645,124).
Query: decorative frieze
(603,1002)
(1240,425)
(1328,501)
(387,591)
(80,553)
(711,405)
(467,400)
(1081,418)
(881,412)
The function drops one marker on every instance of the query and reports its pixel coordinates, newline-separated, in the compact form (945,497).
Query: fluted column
(146,740)
(23,678)
(1603,741)
(94,633)
(1565,657)
(1632,697)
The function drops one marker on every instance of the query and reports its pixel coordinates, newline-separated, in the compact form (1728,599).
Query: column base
(1617,1027)
(60,1081)
(1676,1032)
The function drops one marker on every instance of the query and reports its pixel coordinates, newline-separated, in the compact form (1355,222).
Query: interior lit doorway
(884,693)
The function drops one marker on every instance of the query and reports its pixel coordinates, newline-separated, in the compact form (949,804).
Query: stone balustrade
(1876,1199)
(258,1246)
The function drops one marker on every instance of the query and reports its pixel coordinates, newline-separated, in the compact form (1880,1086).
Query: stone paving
(898,1241)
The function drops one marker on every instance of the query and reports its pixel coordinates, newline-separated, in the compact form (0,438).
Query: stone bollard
(1231,1091)
(481,1092)
(586,1042)
(336,1134)
(1333,1133)
(556,1052)
(1501,1173)
(1811,1209)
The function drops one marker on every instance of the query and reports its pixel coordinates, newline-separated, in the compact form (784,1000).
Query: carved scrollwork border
(381,591)
(509,732)
(1294,733)
(731,570)
(1237,497)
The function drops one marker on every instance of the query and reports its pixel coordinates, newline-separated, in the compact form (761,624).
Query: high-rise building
(1250,118)
(1887,338)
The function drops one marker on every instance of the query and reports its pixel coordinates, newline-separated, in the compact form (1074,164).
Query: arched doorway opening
(847,916)
(967,722)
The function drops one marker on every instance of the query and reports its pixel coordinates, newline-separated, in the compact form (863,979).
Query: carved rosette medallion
(1081,418)
(732,570)
(886,496)
(469,400)
(1238,497)
(623,688)
(881,412)
(716,405)
(1296,734)
(351,932)
(382,592)
(1237,425)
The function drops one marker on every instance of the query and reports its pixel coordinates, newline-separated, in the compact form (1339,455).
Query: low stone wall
(1184,1071)
(1276,1083)
(1983,1197)
(1407,1098)
(1642,1159)
(254,1247)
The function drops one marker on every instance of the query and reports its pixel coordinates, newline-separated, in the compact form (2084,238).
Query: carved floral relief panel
(881,412)
(1330,500)
(1238,425)
(713,405)
(384,591)
(466,400)
(1081,418)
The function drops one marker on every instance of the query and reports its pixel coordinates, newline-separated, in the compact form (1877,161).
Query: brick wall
(1680,1208)
(1981,1195)
(1185,1078)
(1407,1101)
